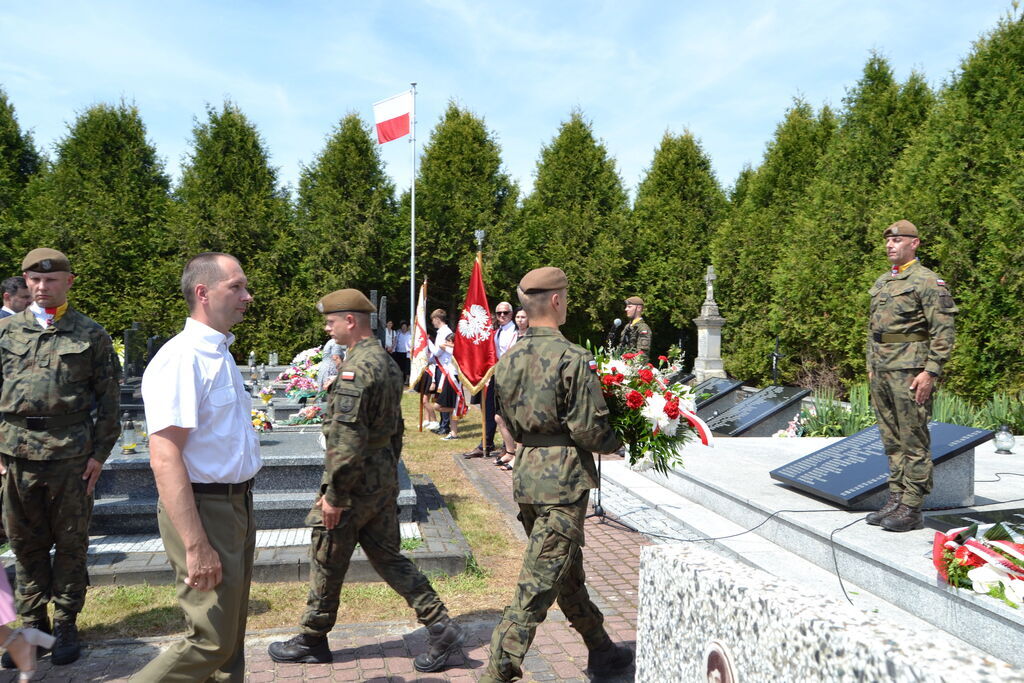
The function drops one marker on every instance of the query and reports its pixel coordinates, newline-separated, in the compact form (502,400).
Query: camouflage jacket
(69,368)
(548,390)
(636,337)
(915,303)
(363,425)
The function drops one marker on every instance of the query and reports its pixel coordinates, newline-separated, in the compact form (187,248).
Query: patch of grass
(485,586)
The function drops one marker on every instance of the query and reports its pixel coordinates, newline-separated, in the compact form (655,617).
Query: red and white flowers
(991,563)
(652,416)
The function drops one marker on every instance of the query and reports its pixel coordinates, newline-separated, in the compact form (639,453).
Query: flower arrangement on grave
(795,428)
(989,562)
(309,415)
(301,386)
(260,421)
(266,393)
(305,364)
(652,416)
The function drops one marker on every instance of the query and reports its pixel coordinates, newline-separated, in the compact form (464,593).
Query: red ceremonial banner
(474,337)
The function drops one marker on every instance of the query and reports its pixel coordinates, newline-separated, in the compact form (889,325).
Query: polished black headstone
(856,467)
(762,406)
(1014,518)
(716,388)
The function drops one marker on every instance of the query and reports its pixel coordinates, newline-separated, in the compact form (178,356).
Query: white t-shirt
(442,356)
(194,383)
(403,341)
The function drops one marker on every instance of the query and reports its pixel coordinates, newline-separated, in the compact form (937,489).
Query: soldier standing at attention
(550,398)
(59,400)
(910,337)
(637,335)
(358,501)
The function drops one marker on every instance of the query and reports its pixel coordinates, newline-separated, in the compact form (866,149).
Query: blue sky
(726,71)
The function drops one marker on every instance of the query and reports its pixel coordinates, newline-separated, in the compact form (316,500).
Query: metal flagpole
(412,213)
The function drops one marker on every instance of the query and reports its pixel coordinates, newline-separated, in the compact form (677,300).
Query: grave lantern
(1004,440)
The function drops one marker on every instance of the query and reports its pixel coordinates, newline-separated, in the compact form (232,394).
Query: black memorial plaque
(716,388)
(761,406)
(1013,518)
(856,467)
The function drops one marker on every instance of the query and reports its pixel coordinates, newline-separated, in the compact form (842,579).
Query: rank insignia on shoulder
(348,376)
(593,365)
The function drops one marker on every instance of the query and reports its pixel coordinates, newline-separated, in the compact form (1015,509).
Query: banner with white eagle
(474,336)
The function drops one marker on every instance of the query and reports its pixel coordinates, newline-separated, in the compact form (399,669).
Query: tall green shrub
(347,222)
(678,206)
(229,200)
(19,161)
(576,219)
(105,205)
(961,183)
(819,305)
(746,249)
(461,188)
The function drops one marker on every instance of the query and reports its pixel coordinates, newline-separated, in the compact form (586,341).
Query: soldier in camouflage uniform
(59,398)
(358,501)
(550,397)
(910,337)
(636,338)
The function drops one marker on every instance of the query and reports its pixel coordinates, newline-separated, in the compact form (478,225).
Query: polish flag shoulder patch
(593,365)
(348,375)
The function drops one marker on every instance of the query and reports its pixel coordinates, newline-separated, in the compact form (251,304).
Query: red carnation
(648,393)
(646,375)
(634,400)
(672,409)
(663,359)
(630,356)
(608,380)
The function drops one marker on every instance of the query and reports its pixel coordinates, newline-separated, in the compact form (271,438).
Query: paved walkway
(384,651)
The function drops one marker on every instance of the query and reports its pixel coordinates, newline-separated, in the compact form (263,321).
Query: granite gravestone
(713,389)
(762,414)
(1012,518)
(854,472)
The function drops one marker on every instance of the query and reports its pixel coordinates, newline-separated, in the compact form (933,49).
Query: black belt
(542,440)
(223,489)
(41,423)
(893,338)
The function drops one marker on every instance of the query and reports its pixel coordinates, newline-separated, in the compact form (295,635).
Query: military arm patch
(348,376)
(593,365)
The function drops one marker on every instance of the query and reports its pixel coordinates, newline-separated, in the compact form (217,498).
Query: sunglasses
(503,312)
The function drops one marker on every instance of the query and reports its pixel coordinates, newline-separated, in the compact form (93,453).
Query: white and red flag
(393,116)
(474,338)
(419,352)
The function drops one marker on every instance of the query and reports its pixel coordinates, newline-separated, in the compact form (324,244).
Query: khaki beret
(901,229)
(543,279)
(45,261)
(345,300)
(635,300)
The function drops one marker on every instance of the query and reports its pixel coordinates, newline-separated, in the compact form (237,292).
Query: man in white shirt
(504,336)
(449,392)
(403,343)
(205,453)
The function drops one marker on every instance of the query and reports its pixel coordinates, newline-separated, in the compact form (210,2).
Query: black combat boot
(445,638)
(305,648)
(905,518)
(67,648)
(7,662)
(609,660)
(875,518)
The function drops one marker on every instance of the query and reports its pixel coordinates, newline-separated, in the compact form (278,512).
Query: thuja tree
(460,188)
(748,243)
(347,221)
(104,204)
(960,182)
(229,201)
(678,206)
(577,218)
(19,161)
(819,301)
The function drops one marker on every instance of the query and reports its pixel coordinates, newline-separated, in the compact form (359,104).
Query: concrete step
(732,481)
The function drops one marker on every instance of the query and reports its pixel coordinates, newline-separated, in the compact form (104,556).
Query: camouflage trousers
(903,425)
(552,571)
(373,524)
(46,506)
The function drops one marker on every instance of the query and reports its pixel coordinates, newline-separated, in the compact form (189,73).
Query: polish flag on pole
(393,117)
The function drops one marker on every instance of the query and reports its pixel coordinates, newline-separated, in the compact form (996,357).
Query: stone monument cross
(710,280)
